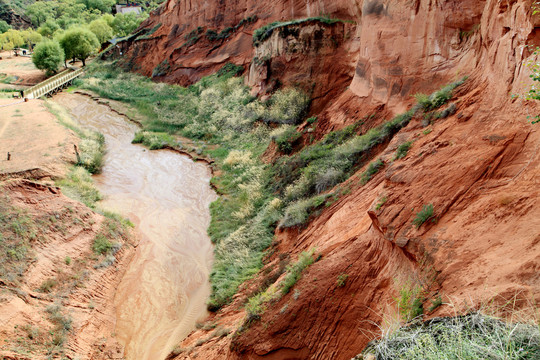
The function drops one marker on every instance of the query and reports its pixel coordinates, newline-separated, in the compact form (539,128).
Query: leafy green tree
(4,26)
(105,6)
(101,29)
(125,24)
(31,37)
(12,40)
(40,11)
(108,19)
(48,56)
(79,43)
(48,28)
(7,46)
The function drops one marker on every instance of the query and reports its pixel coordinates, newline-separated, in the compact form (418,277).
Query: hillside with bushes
(377,164)
(372,165)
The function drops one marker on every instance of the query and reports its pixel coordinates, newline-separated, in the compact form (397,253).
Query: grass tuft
(469,337)
(423,215)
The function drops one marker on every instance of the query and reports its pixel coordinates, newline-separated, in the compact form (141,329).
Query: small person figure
(8,156)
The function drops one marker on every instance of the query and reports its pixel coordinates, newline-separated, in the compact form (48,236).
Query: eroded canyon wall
(478,168)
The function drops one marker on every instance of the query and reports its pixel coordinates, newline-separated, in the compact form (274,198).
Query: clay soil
(55,278)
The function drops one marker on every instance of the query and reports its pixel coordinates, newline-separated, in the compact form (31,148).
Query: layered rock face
(479,168)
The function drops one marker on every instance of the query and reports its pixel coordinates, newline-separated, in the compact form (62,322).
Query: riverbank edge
(120,109)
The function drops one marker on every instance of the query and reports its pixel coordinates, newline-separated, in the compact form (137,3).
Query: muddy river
(166,195)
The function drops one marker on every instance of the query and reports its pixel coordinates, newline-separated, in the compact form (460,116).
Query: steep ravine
(478,168)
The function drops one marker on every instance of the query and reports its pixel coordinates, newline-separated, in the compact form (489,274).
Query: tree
(105,6)
(48,56)
(101,29)
(125,24)
(79,43)
(7,46)
(31,37)
(108,19)
(48,28)
(4,26)
(40,11)
(14,38)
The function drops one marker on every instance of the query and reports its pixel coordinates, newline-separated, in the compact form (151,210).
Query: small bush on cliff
(402,150)
(423,215)
(101,245)
(294,272)
(298,212)
(372,169)
(286,138)
(439,97)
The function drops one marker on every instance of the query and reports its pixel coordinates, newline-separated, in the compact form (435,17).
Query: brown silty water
(167,196)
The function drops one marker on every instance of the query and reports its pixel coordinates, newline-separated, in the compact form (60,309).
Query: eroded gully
(167,196)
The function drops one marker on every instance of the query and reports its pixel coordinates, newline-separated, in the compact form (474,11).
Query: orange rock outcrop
(479,168)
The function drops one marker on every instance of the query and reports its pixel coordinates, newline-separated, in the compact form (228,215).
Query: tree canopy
(101,29)
(48,56)
(79,43)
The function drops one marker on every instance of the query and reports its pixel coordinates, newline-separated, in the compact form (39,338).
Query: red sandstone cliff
(479,167)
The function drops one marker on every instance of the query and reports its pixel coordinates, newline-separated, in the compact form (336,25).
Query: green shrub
(47,285)
(423,215)
(92,150)
(287,106)
(469,337)
(298,212)
(258,303)
(439,97)
(402,150)
(79,186)
(381,202)
(287,138)
(372,169)
(17,230)
(294,272)
(410,301)
(161,69)
(153,140)
(342,280)
(56,316)
(101,245)
(435,304)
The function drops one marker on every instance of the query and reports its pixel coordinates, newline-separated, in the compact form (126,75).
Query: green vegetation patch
(229,125)
(286,138)
(402,150)
(153,140)
(423,215)
(372,169)
(17,231)
(469,337)
(78,185)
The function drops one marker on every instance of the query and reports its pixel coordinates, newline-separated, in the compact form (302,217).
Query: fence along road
(53,84)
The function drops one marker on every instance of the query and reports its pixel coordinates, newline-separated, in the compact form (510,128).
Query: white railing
(52,83)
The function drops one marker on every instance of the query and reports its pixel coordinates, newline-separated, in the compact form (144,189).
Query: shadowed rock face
(479,167)
(17,21)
